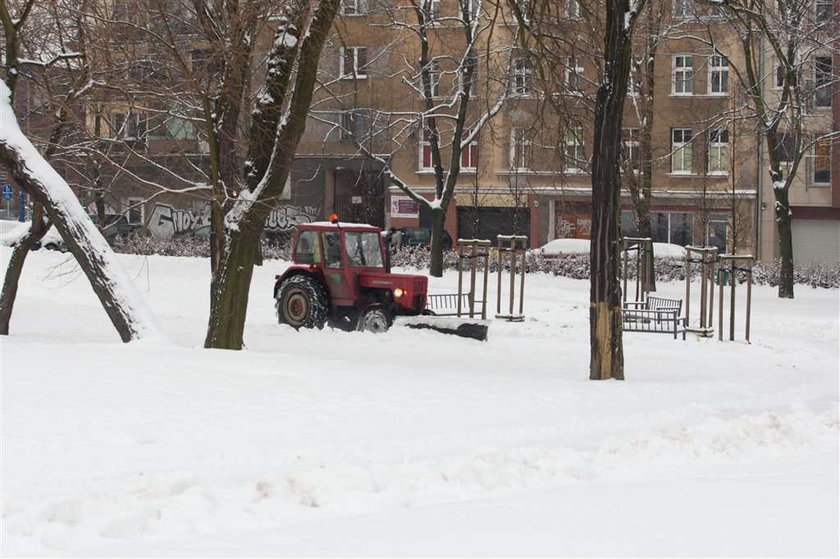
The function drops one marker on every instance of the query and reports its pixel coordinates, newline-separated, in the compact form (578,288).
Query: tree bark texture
(436,248)
(784,219)
(606,350)
(13,271)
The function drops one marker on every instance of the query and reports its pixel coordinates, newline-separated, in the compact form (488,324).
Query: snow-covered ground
(410,443)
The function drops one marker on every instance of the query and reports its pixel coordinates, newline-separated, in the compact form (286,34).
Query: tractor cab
(344,267)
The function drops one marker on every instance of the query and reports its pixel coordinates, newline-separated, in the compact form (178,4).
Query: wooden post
(688,288)
(720,300)
(522,284)
(458,303)
(499,282)
(473,248)
(749,301)
(732,301)
(486,272)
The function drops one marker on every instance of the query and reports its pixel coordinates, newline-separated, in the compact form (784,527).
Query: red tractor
(341,274)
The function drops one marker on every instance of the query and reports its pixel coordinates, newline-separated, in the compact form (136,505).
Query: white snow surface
(325,443)
(581,246)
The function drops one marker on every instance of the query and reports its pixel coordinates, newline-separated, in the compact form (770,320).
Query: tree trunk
(784,218)
(606,350)
(436,249)
(229,302)
(13,271)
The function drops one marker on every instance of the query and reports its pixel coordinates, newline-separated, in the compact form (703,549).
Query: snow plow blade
(464,328)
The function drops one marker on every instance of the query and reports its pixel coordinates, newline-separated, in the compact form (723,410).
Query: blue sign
(22,206)
(7,192)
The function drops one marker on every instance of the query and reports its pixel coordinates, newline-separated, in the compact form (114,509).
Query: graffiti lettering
(167,221)
(286,218)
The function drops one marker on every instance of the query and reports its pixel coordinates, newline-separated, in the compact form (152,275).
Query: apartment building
(527,172)
(527,169)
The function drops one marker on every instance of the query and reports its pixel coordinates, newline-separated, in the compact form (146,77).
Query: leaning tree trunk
(13,271)
(436,248)
(784,218)
(606,351)
(121,300)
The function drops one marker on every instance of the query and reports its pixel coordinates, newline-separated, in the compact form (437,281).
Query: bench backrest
(662,304)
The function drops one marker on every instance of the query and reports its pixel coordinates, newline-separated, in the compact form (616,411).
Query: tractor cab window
(332,249)
(363,250)
(307,250)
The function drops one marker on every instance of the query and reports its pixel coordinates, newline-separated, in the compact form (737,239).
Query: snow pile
(411,442)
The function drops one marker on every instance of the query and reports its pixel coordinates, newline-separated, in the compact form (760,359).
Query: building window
(717,231)
(574,74)
(573,9)
(718,75)
(719,151)
(434,79)
(524,9)
(520,85)
(520,149)
(472,7)
(683,9)
(574,156)
(672,227)
(683,74)
(128,127)
(681,151)
(426,149)
(353,62)
(820,162)
(631,155)
(348,125)
(431,9)
(353,7)
(134,212)
(470,63)
(822,81)
(469,153)
(823,11)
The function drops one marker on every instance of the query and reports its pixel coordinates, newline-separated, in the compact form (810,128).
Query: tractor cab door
(340,280)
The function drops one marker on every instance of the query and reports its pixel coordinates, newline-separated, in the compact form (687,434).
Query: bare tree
(121,300)
(790,35)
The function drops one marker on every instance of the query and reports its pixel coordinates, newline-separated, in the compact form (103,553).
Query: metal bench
(656,315)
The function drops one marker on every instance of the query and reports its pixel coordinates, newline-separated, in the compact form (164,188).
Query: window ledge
(688,175)
(463,171)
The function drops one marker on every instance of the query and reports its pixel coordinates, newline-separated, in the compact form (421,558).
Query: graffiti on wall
(167,221)
(286,218)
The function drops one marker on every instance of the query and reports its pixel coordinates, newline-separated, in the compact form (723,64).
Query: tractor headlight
(398,292)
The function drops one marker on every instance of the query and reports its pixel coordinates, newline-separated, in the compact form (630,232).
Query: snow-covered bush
(575,266)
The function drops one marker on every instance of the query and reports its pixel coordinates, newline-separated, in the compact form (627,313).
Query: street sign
(7,192)
(22,206)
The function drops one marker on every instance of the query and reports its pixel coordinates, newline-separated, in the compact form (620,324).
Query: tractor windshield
(363,250)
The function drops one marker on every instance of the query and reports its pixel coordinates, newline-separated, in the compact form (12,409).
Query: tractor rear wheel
(374,319)
(302,303)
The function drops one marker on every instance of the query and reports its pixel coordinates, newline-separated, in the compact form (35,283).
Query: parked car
(117,225)
(422,237)
(51,240)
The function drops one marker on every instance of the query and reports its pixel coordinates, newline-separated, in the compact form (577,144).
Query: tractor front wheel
(374,319)
(302,303)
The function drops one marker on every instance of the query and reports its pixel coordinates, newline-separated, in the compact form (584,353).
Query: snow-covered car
(51,240)
(558,247)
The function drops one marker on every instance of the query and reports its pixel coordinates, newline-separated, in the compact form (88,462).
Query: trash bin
(723,276)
